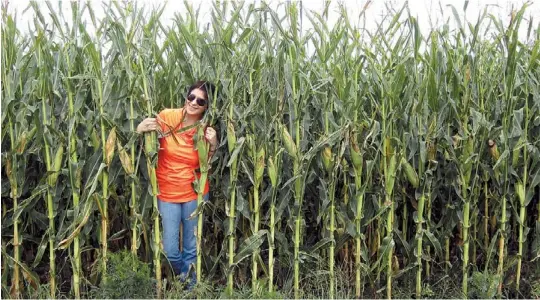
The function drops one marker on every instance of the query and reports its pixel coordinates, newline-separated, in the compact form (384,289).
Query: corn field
(374,161)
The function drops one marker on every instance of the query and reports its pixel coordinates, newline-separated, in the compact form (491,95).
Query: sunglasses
(200,101)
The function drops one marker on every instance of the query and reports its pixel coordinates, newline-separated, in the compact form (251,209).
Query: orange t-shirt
(177,162)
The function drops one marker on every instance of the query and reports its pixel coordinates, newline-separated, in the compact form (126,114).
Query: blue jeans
(172,214)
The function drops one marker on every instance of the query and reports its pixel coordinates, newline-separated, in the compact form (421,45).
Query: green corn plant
(52,163)
(511,45)
(130,161)
(274,166)
(200,183)
(150,146)
(358,158)
(390,174)
(432,86)
(231,141)
(257,155)
(74,167)
(73,172)
(293,146)
(357,163)
(412,176)
(521,191)
(465,176)
(14,167)
(11,172)
(329,162)
(96,71)
(330,166)
(523,187)
(336,163)
(20,135)
(123,38)
(235,148)
(427,102)
(486,213)
(466,155)
(468,163)
(390,160)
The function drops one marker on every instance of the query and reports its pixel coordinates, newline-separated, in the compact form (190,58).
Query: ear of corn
(94,139)
(327,159)
(272,172)
(125,159)
(259,167)
(493,151)
(356,156)
(57,165)
(288,142)
(109,146)
(231,137)
(26,136)
(410,172)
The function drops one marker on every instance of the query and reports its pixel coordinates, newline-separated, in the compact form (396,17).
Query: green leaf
(434,241)
(237,149)
(30,276)
(249,245)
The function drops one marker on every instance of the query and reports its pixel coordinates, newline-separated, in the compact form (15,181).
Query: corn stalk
(150,142)
(9,84)
(73,175)
(200,184)
(52,164)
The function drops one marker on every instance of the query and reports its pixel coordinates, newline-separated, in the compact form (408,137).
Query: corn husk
(290,146)
(231,137)
(124,159)
(327,159)
(11,177)
(410,172)
(57,165)
(516,153)
(109,146)
(493,151)
(391,176)
(94,139)
(23,140)
(259,167)
(356,156)
(520,192)
(432,151)
(272,172)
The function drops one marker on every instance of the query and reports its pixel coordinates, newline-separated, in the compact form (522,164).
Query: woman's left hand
(211,137)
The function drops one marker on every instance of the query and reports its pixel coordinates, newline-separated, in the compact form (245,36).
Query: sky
(427,12)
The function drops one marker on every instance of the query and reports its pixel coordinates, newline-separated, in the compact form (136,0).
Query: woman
(178,161)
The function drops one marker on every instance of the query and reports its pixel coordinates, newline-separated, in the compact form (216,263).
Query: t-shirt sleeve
(162,120)
(168,120)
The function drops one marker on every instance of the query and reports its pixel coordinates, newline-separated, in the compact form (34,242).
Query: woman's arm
(147,125)
(211,137)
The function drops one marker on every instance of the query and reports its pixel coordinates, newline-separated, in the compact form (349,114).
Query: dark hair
(207,87)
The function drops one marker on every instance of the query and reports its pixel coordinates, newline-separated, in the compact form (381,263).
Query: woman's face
(194,100)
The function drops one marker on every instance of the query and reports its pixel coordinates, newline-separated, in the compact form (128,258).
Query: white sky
(427,12)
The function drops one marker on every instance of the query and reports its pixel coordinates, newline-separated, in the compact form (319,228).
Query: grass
(313,286)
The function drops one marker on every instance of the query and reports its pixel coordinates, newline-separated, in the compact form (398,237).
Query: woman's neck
(190,120)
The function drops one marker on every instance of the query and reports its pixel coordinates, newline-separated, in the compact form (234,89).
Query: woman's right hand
(148,124)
